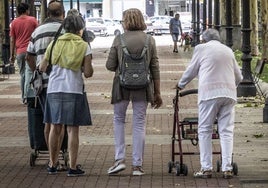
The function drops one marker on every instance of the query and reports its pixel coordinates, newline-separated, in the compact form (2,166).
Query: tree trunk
(236,12)
(264,20)
(223,11)
(43,13)
(254,37)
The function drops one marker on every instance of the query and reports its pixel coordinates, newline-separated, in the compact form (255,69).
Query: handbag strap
(54,42)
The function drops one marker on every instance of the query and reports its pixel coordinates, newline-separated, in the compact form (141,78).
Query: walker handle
(188,92)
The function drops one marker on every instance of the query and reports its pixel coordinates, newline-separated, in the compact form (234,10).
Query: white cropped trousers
(223,110)
(138,130)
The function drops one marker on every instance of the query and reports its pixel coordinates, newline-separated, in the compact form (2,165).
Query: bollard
(265,111)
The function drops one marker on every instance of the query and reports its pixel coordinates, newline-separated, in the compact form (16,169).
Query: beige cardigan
(135,41)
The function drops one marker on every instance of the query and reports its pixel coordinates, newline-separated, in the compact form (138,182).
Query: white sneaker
(118,166)
(137,171)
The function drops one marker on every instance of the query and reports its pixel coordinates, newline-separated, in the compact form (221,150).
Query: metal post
(6,45)
(197,21)
(12,10)
(209,13)
(217,14)
(78,5)
(71,4)
(229,27)
(204,24)
(247,87)
(194,22)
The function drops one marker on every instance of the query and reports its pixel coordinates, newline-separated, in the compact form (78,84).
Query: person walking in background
(134,25)
(175,30)
(40,39)
(65,99)
(20,33)
(218,76)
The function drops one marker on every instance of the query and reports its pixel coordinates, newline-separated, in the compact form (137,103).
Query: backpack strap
(145,46)
(124,47)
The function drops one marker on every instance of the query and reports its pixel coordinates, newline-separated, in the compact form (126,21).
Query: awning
(83,1)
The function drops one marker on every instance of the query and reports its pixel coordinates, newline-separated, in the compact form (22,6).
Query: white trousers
(223,110)
(138,130)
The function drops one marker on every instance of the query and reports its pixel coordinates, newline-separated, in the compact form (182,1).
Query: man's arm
(170,26)
(12,50)
(31,61)
(180,28)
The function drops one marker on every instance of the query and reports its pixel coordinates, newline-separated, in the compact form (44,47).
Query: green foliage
(264,75)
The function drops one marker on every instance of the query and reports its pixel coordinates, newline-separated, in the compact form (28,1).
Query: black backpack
(134,71)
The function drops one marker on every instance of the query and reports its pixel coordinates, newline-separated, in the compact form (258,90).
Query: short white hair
(211,34)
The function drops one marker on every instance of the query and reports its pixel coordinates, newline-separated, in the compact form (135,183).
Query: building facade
(114,8)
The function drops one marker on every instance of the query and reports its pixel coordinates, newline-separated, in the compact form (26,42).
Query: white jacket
(217,70)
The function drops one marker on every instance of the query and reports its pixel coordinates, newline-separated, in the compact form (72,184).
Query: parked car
(161,24)
(103,26)
(149,24)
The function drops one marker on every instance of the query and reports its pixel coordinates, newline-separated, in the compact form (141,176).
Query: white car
(103,26)
(161,24)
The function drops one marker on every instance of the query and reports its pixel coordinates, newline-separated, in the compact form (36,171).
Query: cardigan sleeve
(192,70)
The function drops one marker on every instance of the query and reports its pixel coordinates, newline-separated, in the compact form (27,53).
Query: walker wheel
(170,166)
(218,165)
(235,169)
(177,167)
(184,169)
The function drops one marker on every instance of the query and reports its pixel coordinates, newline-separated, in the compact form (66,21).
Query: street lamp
(229,27)
(247,87)
(217,14)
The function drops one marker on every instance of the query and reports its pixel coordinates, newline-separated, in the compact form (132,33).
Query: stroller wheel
(218,165)
(66,158)
(184,169)
(235,169)
(32,159)
(177,167)
(170,166)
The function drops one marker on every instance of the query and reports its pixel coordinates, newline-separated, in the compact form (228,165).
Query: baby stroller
(187,130)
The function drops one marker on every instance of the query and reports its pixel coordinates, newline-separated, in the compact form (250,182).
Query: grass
(264,75)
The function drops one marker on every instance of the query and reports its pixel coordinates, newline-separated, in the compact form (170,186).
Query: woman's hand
(157,101)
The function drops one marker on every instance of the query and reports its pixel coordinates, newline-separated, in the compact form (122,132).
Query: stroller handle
(188,92)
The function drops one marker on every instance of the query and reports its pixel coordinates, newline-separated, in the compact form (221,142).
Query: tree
(264,20)
(254,37)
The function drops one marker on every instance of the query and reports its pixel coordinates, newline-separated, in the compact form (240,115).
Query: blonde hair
(133,20)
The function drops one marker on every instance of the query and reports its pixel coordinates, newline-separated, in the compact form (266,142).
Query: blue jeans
(21,64)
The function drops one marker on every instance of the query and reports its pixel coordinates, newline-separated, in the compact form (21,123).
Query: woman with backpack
(135,40)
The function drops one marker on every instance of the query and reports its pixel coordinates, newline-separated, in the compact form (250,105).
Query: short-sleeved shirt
(175,25)
(21,29)
(66,80)
(40,40)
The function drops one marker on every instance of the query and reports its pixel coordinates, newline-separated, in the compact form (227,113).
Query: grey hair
(211,34)
(73,24)
(73,12)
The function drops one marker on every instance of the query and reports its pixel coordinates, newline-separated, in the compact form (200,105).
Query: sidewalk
(96,142)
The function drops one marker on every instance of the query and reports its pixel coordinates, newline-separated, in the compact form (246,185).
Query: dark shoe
(175,51)
(76,172)
(203,174)
(227,174)
(52,170)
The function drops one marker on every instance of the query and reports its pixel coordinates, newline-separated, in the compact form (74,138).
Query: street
(106,42)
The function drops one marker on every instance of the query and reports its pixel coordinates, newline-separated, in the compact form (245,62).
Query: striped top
(41,38)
